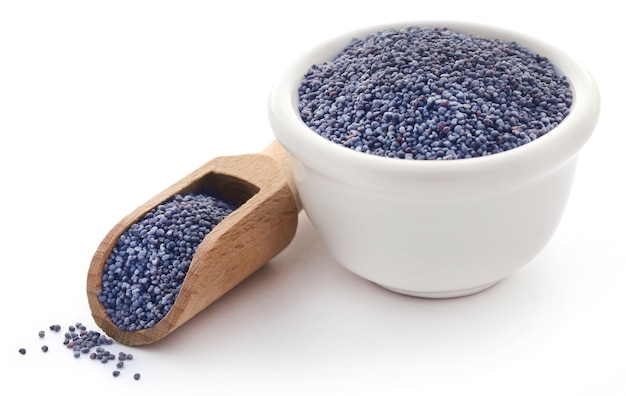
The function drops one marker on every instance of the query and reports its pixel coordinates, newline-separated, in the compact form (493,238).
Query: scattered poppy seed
(136,376)
(84,343)
(42,334)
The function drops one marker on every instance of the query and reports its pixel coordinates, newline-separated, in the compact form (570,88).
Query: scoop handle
(276,151)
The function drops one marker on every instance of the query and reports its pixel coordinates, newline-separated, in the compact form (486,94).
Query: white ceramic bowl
(435,228)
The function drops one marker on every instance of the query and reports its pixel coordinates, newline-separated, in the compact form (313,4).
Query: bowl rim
(555,147)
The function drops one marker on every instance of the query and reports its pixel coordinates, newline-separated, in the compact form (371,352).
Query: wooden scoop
(262,226)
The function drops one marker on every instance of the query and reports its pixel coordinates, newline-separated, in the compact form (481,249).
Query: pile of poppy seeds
(84,342)
(428,93)
(146,269)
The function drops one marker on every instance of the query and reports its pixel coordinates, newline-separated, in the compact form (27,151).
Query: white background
(104,104)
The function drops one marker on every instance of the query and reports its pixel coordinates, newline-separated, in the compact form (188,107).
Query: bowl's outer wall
(418,243)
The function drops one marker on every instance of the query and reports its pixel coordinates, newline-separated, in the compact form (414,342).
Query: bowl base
(441,294)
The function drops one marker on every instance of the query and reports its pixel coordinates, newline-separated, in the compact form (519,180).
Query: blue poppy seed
(143,274)
(408,92)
